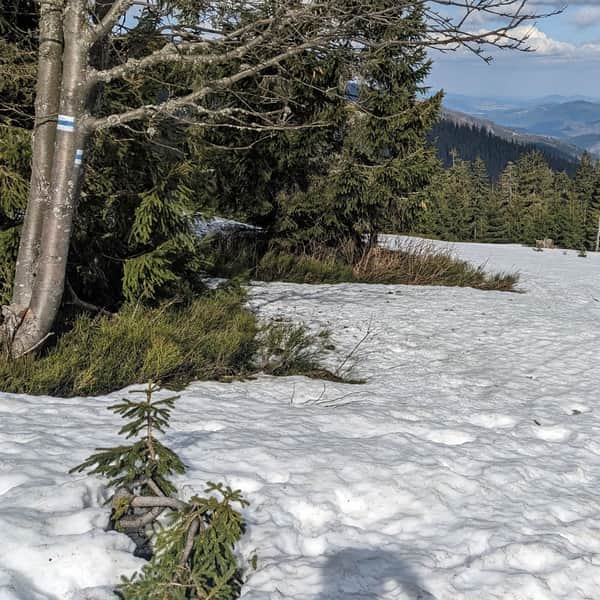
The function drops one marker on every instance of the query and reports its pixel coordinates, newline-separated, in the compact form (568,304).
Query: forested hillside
(530,201)
(471,143)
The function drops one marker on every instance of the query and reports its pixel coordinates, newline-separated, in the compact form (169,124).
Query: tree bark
(54,239)
(44,133)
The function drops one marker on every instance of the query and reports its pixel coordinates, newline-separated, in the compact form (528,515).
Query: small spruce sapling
(193,556)
(145,462)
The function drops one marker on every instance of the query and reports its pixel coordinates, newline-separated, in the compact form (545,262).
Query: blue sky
(566,61)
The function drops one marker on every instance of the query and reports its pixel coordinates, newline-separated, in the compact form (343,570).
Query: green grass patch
(212,337)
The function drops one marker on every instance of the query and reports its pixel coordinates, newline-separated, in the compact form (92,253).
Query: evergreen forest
(530,201)
(472,142)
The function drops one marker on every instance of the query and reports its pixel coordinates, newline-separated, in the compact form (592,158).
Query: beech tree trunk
(58,142)
(44,134)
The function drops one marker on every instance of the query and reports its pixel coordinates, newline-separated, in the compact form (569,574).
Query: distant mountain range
(573,121)
(479,105)
(473,138)
(558,126)
(555,146)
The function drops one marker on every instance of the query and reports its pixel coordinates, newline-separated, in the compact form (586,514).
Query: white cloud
(587,16)
(545,46)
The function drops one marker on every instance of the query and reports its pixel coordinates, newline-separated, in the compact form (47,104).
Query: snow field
(466,468)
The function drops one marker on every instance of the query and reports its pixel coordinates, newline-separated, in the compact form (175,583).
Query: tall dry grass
(417,262)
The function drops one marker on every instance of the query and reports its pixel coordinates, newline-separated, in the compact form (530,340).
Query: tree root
(16,327)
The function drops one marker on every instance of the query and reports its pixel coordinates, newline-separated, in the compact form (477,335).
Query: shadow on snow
(364,573)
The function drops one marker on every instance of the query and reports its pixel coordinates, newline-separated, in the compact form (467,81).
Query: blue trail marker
(66,123)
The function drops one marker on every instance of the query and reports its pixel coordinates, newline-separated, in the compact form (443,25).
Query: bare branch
(190,100)
(116,11)
(189,541)
(132,523)
(77,301)
(156,501)
(172,53)
(270,39)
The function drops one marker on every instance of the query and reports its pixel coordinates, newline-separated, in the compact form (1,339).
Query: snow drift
(466,468)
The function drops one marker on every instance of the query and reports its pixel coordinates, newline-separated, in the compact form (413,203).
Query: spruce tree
(134,239)
(534,187)
(370,183)
(246,171)
(593,213)
(584,184)
(496,218)
(529,202)
(481,200)
(510,200)
(568,213)
(450,203)
(433,207)
(193,557)
(459,193)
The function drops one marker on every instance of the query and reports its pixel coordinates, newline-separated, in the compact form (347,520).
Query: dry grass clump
(421,263)
(320,265)
(416,263)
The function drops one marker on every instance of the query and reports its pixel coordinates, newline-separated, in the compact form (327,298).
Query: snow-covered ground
(466,468)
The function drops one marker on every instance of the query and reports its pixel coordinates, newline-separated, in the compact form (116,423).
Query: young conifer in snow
(193,556)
